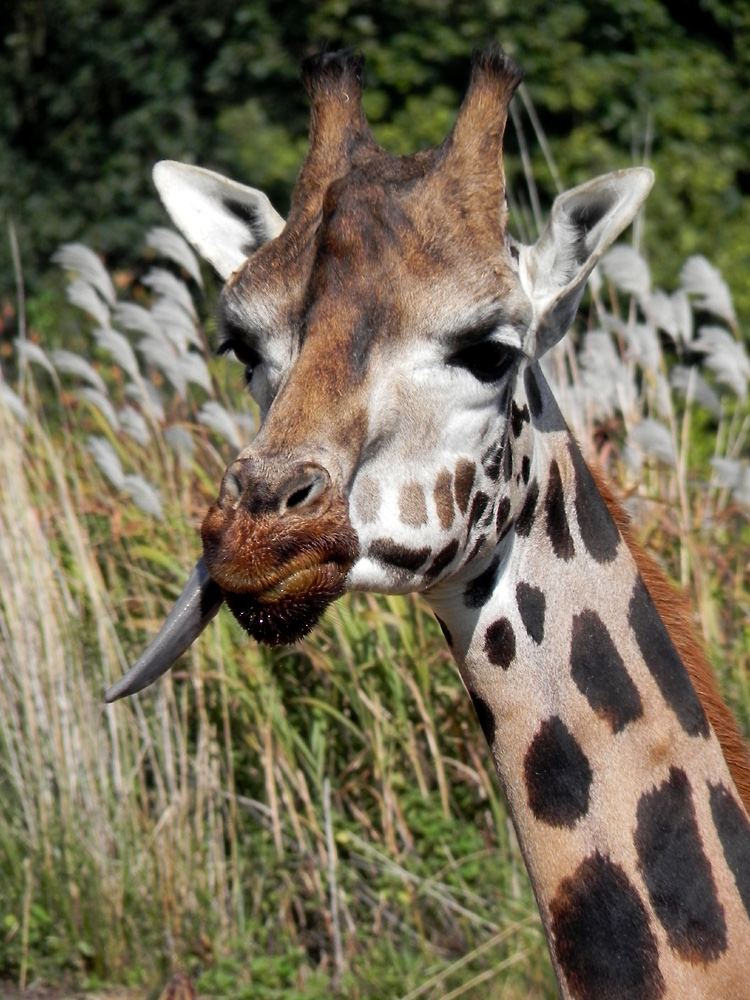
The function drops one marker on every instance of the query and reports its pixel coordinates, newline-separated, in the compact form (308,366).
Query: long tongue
(193,610)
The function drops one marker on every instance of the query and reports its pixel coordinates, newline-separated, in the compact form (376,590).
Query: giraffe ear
(583,224)
(225,221)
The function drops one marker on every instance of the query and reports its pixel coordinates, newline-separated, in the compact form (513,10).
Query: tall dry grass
(257,806)
(281,821)
(97,804)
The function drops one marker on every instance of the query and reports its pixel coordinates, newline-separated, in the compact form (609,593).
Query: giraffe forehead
(376,291)
(389,249)
(391,212)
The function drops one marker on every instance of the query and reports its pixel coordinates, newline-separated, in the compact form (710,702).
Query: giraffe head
(385,328)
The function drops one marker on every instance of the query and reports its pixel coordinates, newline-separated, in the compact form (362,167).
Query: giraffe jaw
(287,611)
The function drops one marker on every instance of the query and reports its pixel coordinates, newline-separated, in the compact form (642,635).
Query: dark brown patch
(677,872)
(533,393)
(444,558)
(557,775)
(464,480)
(367,318)
(492,460)
(601,935)
(525,520)
(531,606)
(479,590)
(600,674)
(598,530)
(443,494)
(501,514)
(500,643)
(387,551)
(677,614)
(525,469)
(663,661)
(445,630)
(478,507)
(558,529)
(412,508)
(505,398)
(519,417)
(733,828)
(477,548)
(485,717)
(507,462)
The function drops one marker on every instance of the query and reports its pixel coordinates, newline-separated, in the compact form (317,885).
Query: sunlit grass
(191,826)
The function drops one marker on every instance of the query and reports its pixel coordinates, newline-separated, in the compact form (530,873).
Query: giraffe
(391,331)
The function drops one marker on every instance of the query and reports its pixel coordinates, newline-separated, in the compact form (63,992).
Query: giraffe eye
(487,360)
(245,354)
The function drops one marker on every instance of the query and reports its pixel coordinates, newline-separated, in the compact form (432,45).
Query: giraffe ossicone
(391,330)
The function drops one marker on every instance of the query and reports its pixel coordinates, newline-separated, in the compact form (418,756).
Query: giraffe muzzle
(279,544)
(277,550)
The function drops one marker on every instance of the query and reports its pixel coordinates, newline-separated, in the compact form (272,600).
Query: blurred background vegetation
(293,823)
(322,820)
(93,92)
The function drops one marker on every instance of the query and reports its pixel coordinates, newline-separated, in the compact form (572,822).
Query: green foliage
(93,93)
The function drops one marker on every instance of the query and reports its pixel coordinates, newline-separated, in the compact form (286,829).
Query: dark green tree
(93,92)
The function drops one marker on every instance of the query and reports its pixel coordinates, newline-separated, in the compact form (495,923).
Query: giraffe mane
(675,611)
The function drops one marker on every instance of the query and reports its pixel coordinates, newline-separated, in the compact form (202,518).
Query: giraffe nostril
(299,496)
(267,491)
(231,487)
(305,489)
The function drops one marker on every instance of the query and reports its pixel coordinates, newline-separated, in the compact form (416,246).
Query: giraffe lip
(287,581)
(287,611)
(278,574)
(298,582)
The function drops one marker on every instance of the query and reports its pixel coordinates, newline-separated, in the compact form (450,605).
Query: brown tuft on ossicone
(338,127)
(474,149)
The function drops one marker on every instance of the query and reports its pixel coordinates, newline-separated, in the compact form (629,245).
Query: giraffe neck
(617,785)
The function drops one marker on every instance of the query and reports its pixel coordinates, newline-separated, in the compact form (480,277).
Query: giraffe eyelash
(488,361)
(244,353)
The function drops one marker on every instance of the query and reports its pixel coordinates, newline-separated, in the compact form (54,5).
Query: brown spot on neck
(675,611)
(464,480)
